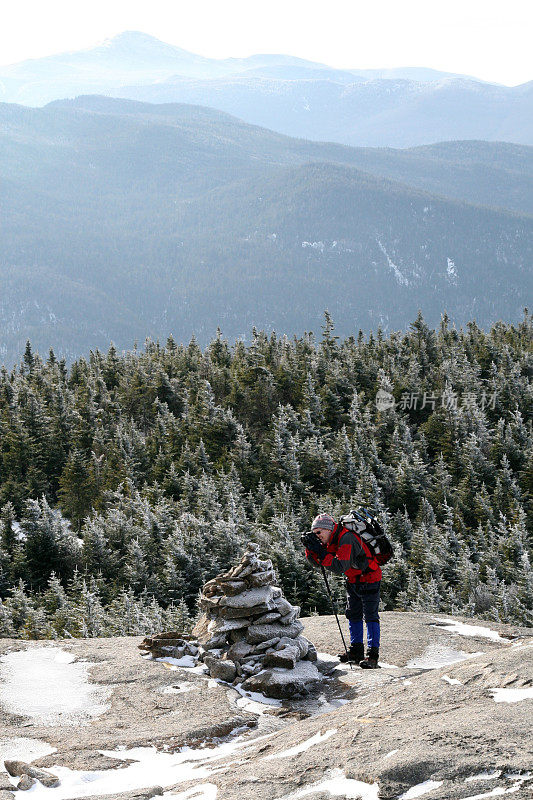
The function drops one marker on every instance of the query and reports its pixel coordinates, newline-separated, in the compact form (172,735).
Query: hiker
(343,552)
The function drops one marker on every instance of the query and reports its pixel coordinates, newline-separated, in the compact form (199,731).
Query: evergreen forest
(129,479)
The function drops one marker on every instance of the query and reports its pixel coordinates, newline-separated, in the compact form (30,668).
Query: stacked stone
(173,644)
(251,633)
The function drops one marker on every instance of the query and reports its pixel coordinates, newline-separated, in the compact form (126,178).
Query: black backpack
(365,525)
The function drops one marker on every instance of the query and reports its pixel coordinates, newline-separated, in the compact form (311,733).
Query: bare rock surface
(399,727)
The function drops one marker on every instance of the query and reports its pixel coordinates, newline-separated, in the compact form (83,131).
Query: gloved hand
(313,544)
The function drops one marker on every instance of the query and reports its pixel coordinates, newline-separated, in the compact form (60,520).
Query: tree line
(129,479)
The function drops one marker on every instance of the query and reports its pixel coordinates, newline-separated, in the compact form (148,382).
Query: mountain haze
(123,220)
(395,107)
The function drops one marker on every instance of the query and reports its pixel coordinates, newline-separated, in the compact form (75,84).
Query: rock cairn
(251,634)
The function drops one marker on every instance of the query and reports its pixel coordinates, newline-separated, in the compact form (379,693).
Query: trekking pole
(334,607)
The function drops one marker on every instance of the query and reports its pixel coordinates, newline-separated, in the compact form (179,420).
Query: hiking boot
(371,660)
(355,653)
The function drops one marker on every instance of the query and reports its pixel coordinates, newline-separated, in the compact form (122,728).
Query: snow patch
(436,656)
(451,681)
(205,791)
(338,786)
(303,746)
(185,661)
(400,277)
(326,657)
(420,789)
(463,629)
(255,702)
(484,776)
(451,271)
(44,684)
(392,753)
(499,790)
(180,688)
(511,695)
(150,768)
(21,748)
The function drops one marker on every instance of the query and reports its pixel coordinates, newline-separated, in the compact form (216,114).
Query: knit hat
(324,521)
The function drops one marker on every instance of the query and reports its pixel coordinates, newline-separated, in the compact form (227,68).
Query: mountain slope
(374,113)
(148,220)
(196,142)
(395,108)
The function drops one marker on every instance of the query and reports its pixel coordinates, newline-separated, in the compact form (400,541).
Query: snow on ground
(420,789)
(303,746)
(512,695)
(463,629)
(338,786)
(205,791)
(45,684)
(150,768)
(484,776)
(498,791)
(178,688)
(437,655)
(254,702)
(451,681)
(185,661)
(392,753)
(21,748)
(326,657)
(400,277)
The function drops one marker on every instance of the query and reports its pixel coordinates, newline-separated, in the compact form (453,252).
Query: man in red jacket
(343,552)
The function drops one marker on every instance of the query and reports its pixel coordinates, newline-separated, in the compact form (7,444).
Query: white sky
(489,39)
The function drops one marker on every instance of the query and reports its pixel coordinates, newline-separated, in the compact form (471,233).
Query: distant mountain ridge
(122,220)
(401,107)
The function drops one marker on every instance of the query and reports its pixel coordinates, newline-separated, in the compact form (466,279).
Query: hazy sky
(490,39)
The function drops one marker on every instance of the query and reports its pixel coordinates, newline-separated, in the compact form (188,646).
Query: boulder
(286,657)
(270,643)
(283,606)
(241,613)
(26,783)
(222,625)
(220,668)
(261,578)
(239,650)
(16,768)
(259,596)
(300,643)
(265,619)
(232,587)
(312,654)
(291,616)
(283,683)
(261,633)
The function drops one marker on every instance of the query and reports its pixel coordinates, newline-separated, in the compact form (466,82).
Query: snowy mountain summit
(446,717)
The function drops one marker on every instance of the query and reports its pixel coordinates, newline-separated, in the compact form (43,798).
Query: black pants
(362,602)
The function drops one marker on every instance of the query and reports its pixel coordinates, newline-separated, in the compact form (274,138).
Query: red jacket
(347,554)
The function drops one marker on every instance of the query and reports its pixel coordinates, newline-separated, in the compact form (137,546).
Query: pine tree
(78,488)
